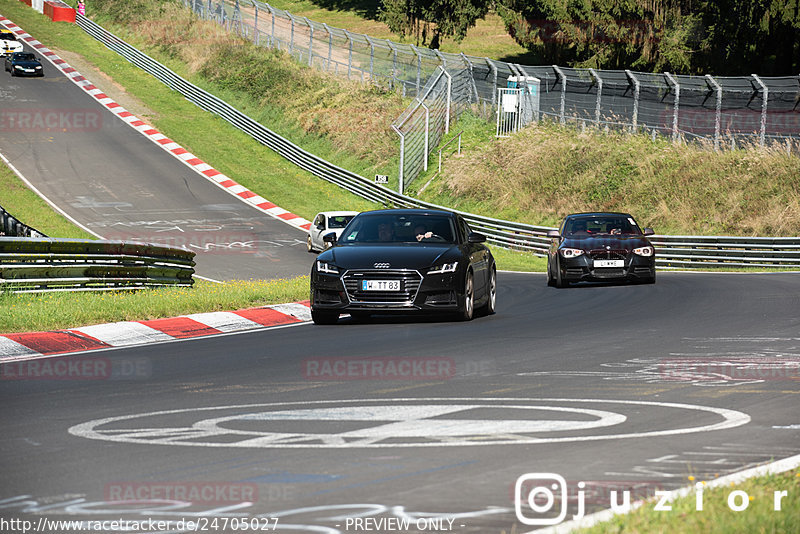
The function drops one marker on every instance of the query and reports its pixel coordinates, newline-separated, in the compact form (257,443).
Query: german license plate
(609,263)
(380,285)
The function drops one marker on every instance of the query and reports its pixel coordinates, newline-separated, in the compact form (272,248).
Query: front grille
(603,254)
(409,285)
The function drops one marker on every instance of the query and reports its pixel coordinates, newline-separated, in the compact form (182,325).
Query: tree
(430,21)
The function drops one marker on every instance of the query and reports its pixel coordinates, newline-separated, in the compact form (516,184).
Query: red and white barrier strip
(15,347)
(189,159)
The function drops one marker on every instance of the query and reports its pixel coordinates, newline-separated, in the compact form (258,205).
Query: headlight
(570,252)
(38,66)
(325,267)
(444,268)
(18,67)
(643,251)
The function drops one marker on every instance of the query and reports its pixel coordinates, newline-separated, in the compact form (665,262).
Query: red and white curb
(30,345)
(189,159)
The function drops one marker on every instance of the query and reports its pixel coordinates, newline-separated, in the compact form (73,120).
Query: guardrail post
(310,42)
(718,113)
(636,89)
(764,98)
(599,81)
(561,114)
(676,86)
(402,157)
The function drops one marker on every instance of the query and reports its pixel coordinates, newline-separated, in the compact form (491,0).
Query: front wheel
(468,300)
(560,282)
(309,247)
(491,294)
(324,317)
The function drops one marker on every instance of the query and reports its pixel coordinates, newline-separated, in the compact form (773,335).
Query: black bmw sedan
(23,64)
(600,246)
(404,260)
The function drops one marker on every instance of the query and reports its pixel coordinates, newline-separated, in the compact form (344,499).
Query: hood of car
(27,64)
(397,256)
(616,242)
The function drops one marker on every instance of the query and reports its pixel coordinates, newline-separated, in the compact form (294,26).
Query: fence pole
(402,157)
(563,80)
(394,62)
(447,112)
(419,67)
(599,81)
(472,79)
(493,68)
(427,130)
(764,98)
(677,88)
(310,42)
(291,35)
(350,54)
(718,113)
(636,88)
(272,35)
(255,25)
(330,44)
(371,57)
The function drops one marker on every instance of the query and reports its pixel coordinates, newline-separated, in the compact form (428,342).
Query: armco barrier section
(40,265)
(12,227)
(672,251)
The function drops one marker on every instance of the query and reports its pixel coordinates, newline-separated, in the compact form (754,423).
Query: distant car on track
(9,43)
(24,64)
(404,261)
(326,222)
(600,247)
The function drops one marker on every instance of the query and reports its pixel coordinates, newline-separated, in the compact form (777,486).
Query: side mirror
(649,231)
(330,238)
(320,227)
(553,233)
(475,237)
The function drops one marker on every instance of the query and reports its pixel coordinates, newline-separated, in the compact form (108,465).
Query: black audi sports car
(23,64)
(600,246)
(403,260)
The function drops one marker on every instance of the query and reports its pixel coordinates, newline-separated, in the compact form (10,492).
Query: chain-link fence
(725,111)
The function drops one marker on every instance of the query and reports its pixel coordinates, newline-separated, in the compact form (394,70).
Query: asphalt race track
(119,185)
(635,386)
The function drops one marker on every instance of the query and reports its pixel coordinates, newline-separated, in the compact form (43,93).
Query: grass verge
(29,208)
(717,516)
(51,311)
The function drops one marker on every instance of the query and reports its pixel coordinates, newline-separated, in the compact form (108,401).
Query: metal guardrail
(672,251)
(12,227)
(41,265)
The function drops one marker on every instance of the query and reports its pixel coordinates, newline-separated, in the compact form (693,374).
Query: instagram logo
(536,492)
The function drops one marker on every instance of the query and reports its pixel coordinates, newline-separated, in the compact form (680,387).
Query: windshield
(20,56)
(603,225)
(339,221)
(388,228)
